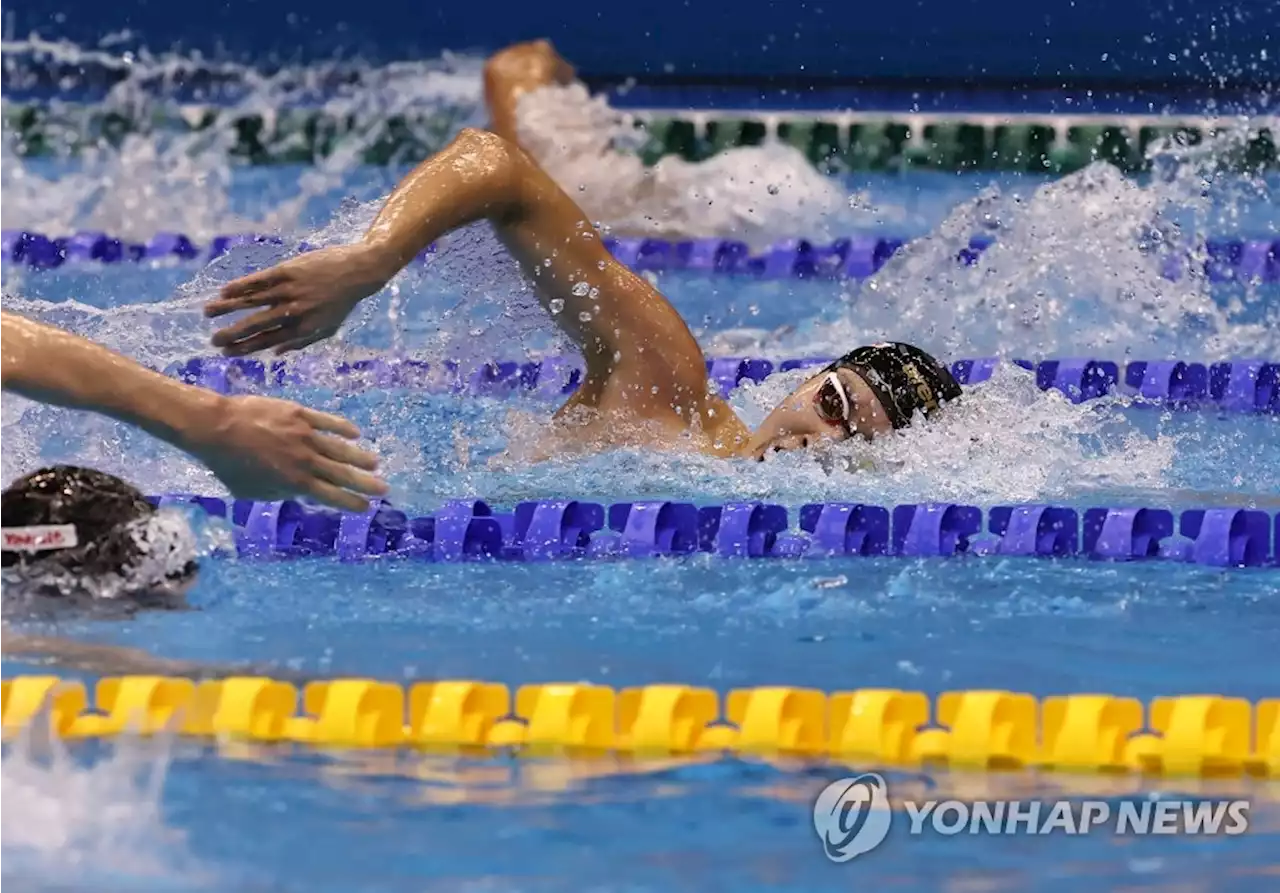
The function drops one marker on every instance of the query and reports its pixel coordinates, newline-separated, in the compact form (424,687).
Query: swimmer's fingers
(254,344)
(279,322)
(253,290)
(223,306)
(334,424)
(337,497)
(344,452)
(349,478)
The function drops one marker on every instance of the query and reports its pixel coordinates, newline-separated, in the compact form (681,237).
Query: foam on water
(73,824)
(1077,270)
(1006,438)
(165,178)
(755,193)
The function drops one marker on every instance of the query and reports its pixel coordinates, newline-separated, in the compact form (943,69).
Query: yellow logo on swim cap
(923,391)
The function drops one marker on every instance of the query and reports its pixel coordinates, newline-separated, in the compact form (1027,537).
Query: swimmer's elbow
(499,161)
(482,141)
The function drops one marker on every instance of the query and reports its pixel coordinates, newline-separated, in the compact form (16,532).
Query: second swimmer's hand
(301,301)
(266,449)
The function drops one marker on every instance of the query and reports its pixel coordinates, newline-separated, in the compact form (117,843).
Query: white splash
(757,194)
(72,824)
(1077,270)
(170,177)
(1004,441)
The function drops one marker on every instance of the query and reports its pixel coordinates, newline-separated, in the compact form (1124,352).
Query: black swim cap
(903,377)
(91,525)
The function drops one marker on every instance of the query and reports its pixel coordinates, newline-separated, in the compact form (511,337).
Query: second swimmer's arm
(52,366)
(259,448)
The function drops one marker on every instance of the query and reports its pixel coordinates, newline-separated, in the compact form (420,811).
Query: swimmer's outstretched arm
(514,71)
(630,336)
(116,660)
(91,657)
(258,447)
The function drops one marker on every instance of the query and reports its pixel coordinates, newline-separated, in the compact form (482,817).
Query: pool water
(281,819)
(1073,273)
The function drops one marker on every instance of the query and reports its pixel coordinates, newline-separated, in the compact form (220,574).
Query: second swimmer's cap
(903,377)
(68,530)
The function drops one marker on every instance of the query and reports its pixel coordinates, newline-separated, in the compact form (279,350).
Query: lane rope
(854,257)
(464,530)
(1193,735)
(1239,386)
(846,140)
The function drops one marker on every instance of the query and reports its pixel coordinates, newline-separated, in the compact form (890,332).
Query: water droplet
(773,189)
(580,289)
(555,305)
(585,316)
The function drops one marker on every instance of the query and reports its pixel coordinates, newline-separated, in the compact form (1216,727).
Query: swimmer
(76,534)
(259,448)
(79,542)
(645,382)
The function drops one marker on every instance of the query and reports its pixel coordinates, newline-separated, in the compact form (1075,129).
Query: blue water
(249,818)
(262,818)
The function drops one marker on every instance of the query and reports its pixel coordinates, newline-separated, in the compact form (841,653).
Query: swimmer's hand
(267,449)
(303,300)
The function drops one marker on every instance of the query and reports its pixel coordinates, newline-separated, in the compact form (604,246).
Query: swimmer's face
(834,405)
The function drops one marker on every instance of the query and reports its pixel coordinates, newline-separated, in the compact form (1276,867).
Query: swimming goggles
(833,403)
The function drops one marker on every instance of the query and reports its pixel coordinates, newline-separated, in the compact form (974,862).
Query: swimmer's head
(76,531)
(866,393)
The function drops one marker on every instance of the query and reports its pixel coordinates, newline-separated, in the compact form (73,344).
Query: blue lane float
(466,530)
(1237,386)
(855,257)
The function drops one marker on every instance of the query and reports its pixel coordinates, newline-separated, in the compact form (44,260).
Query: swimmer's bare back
(645,381)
